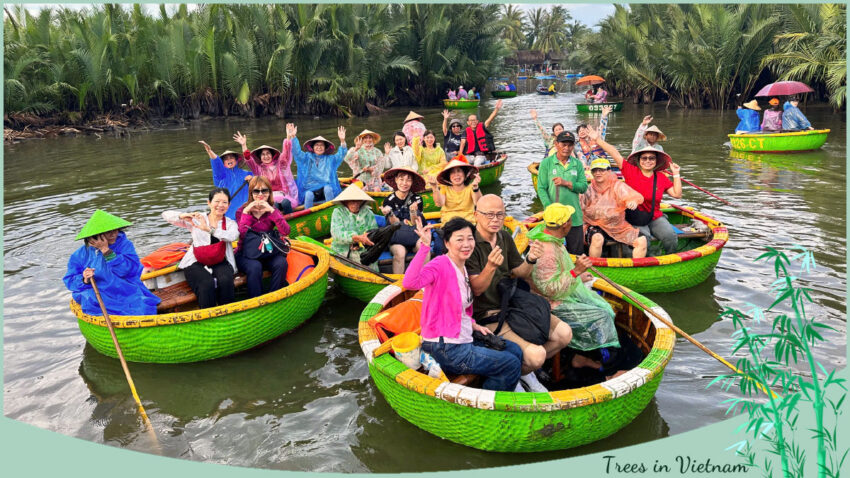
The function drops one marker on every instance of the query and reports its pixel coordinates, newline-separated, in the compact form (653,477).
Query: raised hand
(592,133)
(533,114)
(646,120)
(606,110)
(499,104)
(423,231)
(387,148)
(446,114)
(291,130)
(341,133)
(241,139)
(675,168)
(357,142)
(476,180)
(208,149)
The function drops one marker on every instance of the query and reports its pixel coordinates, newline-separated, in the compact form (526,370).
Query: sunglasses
(261,191)
(648,158)
(455,126)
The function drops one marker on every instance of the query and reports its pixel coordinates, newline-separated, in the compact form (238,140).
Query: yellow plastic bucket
(406,349)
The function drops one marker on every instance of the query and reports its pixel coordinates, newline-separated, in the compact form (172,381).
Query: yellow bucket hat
(557,214)
(600,163)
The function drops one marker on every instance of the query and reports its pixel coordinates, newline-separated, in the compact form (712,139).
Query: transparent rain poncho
(588,314)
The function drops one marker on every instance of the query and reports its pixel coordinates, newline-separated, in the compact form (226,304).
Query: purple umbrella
(784,88)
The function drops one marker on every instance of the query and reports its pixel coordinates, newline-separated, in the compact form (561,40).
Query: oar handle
(127,375)
(701,189)
(676,329)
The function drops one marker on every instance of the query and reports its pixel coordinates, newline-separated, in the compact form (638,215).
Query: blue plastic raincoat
(315,172)
(232,179)
(749,120)
(793,118)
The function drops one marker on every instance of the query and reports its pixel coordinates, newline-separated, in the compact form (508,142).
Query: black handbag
(263,245)
(380,237)
(527,314)
(639,218)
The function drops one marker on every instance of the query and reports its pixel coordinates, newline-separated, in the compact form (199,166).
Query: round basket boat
(503,94)
(699,252)
(314,222)
(546,92)
(363,286)
(461,104)
(523,422)
(597,107)
(779,142)
(206,334)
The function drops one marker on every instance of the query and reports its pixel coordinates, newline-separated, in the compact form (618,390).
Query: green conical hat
(99,222)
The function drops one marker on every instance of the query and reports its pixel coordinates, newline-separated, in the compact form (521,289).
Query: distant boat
(522,78)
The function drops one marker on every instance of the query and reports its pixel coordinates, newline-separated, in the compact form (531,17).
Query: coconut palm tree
(513,24)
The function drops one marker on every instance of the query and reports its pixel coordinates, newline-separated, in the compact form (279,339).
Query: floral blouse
(344,224)
(361,158)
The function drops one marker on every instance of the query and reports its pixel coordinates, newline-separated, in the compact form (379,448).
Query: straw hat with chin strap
(654,129)
(375,136)
(444,177)
(662,159)
(257,151)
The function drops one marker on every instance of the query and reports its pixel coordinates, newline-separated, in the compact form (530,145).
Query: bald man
(494,258)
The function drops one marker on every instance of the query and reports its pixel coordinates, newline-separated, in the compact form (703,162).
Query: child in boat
(110,258)
(366,161)
(404,205)
(749,117)
(227,175)
(772,120)
(275,166)
(317,164)
(209,264)
(458,190)
(255,217)
(401,155)
(792,118)
(548,139)
(587,150)
(430,156)
(604,206)
(648,135)
(350,224)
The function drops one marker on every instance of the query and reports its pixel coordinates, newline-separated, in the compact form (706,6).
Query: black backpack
(527,314)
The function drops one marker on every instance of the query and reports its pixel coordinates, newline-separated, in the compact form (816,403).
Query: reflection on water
(305,401)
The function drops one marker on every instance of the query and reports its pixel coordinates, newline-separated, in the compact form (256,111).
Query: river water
(305,401)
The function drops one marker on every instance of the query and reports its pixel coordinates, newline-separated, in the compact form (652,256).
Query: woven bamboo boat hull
(670,272)
(546,93)
(206,334)
(490,173)
(503,94)
(522,422)
(779,142)
(363,286)
(314,222)
(597,107)
(461,104)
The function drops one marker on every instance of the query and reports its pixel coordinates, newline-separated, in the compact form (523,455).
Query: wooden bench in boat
(180,294)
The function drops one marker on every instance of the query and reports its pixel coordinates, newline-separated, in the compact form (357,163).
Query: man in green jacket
(561,179)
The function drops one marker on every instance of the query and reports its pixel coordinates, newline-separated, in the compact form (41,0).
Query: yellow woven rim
(139,321)
(781,135)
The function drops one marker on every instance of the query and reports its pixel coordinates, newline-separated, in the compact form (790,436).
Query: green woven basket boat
(670,272)
(780,142)
(363,286)
(597,107)
(206,334)
(461,104)
(522,422)
(314,222)
(503,94)
(490,173)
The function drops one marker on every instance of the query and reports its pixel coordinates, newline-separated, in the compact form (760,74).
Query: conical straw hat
(418,181)
(222,155)
(412,116)
(662,159)
(259,150)
(654,129)
(373,134)
(329,149)
(101,222)
(443,176)
(352,193)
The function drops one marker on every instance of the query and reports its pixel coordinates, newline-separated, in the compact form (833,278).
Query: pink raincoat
(278,172)
(604,205)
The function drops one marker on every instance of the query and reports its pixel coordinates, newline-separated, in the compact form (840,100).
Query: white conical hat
(352,193)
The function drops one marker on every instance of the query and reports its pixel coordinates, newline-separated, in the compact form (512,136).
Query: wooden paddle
(111,327)
(345,259)
(676,329)
(701,189)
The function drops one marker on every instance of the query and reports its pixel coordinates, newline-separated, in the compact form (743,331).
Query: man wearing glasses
(494,258)
(561,180)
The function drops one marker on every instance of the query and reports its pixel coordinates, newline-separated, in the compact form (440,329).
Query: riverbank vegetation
(67,66)
(243,59)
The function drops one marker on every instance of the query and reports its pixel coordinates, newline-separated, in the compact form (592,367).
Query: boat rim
(175,318)
(780,135)
(653,364)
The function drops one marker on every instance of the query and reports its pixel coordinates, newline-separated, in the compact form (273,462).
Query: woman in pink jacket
(275,166)
(447,324)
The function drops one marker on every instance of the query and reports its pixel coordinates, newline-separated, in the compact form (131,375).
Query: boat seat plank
(467,380)
(181,294)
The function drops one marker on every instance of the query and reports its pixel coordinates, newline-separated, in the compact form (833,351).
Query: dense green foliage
(703,55)
(244,59)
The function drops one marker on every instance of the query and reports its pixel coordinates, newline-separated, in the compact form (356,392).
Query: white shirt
(201,237)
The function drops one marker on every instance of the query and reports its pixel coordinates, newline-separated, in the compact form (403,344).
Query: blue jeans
(253,269)
(662,230)
(285,206)
(310,196)
(500,369)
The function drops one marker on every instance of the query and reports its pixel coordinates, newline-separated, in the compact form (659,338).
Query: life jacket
(402,318)
(298,265)
(481,140)
(165,255)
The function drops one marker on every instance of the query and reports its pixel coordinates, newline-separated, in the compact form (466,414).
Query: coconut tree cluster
(243,59)
(704,55)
